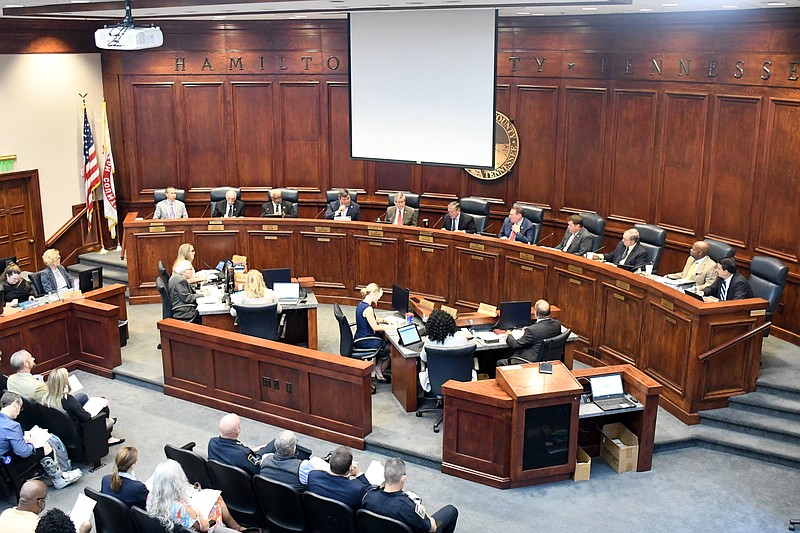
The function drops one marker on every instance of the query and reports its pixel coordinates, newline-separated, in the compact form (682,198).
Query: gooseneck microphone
(321,211)
(437,222)
(204,211)
(543,238)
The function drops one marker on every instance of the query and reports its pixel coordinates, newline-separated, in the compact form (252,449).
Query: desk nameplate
(477,246)
(269,227)
(216,227)
(322,229)
(526,256)
(575,268)
(157,229)
(623,285)
(667,304)
(375,232)
(425,238)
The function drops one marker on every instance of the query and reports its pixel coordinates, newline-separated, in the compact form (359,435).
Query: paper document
(75,384)
(374,473)
(95,405)
(319,463)
(207,300)
(38,436)
(517,333)
(341,218)
(487,336)
(204,500)
(82,511)
(393,320)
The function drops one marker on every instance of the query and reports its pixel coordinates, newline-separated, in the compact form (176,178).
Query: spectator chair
(30,415)
(259,321)
(333,194)
(161,194)
(445,364)
(718,249)
(12,479)
(653,239)
(412,200)
(218,194)
(162,271)
(239,493)
(552,350)
(596,225)
(166,303)
(347,346)
(110,514)
(282,505)
(767,278)
(193,465)
(149,524)
(326,515)
(36,280)
(86,443)
(536,216)
(479,209)
(288,195)
(369,522)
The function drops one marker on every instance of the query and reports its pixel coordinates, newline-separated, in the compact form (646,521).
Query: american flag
(91,172)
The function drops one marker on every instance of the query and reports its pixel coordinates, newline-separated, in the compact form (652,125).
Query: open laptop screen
(287,291)
(408,334)
(514,315)
(606,386)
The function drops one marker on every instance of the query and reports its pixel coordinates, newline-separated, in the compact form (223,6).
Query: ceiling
(338,9)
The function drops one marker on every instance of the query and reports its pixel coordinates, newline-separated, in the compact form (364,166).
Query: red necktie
(513,236)
(399,220)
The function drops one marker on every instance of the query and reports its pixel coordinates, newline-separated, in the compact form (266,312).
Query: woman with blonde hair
(122,483)
(55,277)
(367,324)
(15,287)
(185,253)
(255,292)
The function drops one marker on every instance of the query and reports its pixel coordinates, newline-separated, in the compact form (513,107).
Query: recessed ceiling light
(218,17)
(78,1)
(299,16)
(776,4)
(730,7)
(670,5)
(589,8)
(11,6)
(646,9)
(524,13)
(537,14)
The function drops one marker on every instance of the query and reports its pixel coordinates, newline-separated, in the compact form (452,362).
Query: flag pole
(99,225)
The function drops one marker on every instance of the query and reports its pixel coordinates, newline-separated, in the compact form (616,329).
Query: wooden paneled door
(21,226)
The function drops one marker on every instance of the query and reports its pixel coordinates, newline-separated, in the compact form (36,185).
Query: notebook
(287,293)
(608,394)
(409,337)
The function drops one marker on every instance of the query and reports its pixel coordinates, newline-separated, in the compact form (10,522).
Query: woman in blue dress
(367,325)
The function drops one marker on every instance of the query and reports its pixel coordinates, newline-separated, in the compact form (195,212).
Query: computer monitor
(281,275)
(230,278)
(5,261)
(400,299)
(90,279)
(514,315)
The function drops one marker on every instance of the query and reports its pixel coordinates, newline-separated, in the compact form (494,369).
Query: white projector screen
(422,86)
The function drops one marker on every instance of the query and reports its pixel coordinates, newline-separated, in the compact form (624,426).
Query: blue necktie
(722,291)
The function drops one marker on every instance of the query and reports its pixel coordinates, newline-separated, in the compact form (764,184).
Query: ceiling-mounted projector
(127,36)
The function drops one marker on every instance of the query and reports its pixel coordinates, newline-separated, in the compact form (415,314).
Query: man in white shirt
(400,214)
(277,206)
(171,207)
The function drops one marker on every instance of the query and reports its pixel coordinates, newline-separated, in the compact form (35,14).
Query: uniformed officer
(406,507)
(228,450)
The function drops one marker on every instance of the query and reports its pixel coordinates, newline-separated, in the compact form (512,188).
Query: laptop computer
(694,295)
(410,338)
(287,293)
(608,394)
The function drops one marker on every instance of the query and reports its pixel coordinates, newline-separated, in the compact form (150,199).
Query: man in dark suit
(400,214)
(576,239)
(628,252)
(455,220)
(529,346)
(182,298)
(230,207)
(730,285)
(516,227)
(277,206)
(345,482)
(343,207)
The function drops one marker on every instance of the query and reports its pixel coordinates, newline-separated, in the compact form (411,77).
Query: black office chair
(110,514)
(536,216)
(258,320)
(161,194)
(149,524)
(333,194)
(288,195)
(369,522)
(166,302)
(445,364)
(718,250)
(596,225)
(326,515)
(218,194)
(347,346)
(240,496)
(412,200)
(14,472)
(551,349)
(653,239)
(30,415)
(767,278)
(36,280)
(5,261)
(282,505)
(162,271)
(86,443)
(193,465)
(479,209)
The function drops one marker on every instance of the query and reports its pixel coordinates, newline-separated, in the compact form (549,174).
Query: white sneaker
(61,482)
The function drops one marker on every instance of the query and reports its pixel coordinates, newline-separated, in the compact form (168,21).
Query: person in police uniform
(405,506)
(229,450)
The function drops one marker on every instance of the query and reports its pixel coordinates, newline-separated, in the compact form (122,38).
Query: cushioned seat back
(536,216)
(475,206)
(258,320)
(218,194)
(369,522)
(412,200)
(718,249)
(652,238)
(345,333)
(282,504)
(326,515)
(449,363)
(767,278)
(110,514)
(193,465)
(240,497)
(161,194)
(553,348)
(287,195)
(596,225)
(30,415)
(59,423)
(480,222)
(333,195)
(36,281)
(162,271)
(149,524)
(166,303)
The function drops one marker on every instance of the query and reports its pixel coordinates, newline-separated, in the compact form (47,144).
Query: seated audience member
(229,450)
(730,285)
(698,268)
(343,207)
(57,521)
(455,220)
(122,483)
(400,214)
(577,240)
(171,207)
(394,503)
(54,277)
(285,465)
(58,397)
(367,324)
(230,207)
(442,331)
(345,482)
(255,292)
(628,252)
(529,345)
(22,381)
(15,287)
(15,443)
(182,297)
(25,516)
(516,227)
(277,206)
(169,502)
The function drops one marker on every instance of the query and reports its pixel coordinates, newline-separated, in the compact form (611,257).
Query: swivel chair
(282,505)
(333,194)
(347,346)
(369,522)
(718,250)
(5,261)
(110,514)
(258,320)
(767,278)
(162,271)
(36,280)
(479,209)
(166,303)
(161,194)
(536,216)
(653,239)
(412,200)
(326,515)
(445,364)
(218,194)
(596,225)
(288,195)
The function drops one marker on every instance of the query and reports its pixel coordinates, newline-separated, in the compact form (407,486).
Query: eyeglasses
(41,500)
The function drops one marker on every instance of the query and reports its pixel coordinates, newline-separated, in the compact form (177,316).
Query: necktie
(692,270)
(172,210)
(569,242)
(625,256)
(230,211)
(723,291)
(277,209)
(399,219)
(513,236)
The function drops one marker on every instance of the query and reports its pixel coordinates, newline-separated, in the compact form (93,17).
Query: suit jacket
(221,207)
(704,275)
(465,223)
(353,210)
(409,215)
(530,344)
(131,492)
(162,210)
(234,453)
(738,288)
(581,244)
(49,279)
(287,209)
(348,491)
(637,258)
(525,230)
(182,298)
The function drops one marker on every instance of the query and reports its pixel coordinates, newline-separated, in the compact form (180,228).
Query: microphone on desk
(204,211)
(320,212)
(486,229)
(543,238)
(437,222)
(379,219)
(150,215)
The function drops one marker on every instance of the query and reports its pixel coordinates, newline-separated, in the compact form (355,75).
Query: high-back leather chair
(240,495)
(479,209)
(86,443)
(718,250)
(536,216)
(36,280)
(218,194)
(258,320)
(282,505)
(161,194)
(653,239)
(333,195)
(412,200)
(166,302)
(326,515)
(162,271)
(110,514)
(287,195)
(553,348)
(193,465)
(4,262)
(446,363)
(767,278)
(369,522)
(347,346)
(596,225)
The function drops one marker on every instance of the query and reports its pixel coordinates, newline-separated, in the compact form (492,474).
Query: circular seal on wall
(506,149)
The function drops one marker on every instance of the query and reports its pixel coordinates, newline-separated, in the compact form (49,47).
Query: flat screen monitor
(230,277)
(281,275)
(514,315)
(91,279)
(5,261)
(400,299)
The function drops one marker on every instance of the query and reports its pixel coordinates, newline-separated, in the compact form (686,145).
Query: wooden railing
(734,341)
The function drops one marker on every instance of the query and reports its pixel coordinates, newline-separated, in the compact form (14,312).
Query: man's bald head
(229,426)
(699,249)
(541,308)
(32,496)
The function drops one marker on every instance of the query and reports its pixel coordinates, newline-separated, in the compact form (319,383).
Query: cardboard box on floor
(619,448)
(583,466)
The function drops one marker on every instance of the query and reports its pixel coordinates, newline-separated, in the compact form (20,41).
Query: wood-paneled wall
(691,122)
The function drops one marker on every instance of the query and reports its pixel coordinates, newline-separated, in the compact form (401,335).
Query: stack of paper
(82,511)
(95,405)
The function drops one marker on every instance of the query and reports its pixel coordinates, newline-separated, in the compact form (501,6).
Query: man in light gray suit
(171,207)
